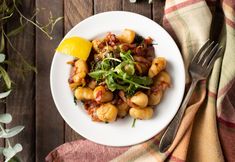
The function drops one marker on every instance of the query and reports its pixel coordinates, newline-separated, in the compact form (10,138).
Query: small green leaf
(8,16)
(144,80)
(5,77)
(2,45)
(133,123)
(112,85)
(131,90)
(14,159)
(11,132)
(18,147)
(97,74)
(126,56)
(105,65)
(75,100)
(21,21)
(10,152)
(129,69)
(1,149)
(5,94)
(16,31)
(5,118)
(2,57)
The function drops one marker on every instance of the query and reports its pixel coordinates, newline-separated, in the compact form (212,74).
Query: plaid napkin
(207,132)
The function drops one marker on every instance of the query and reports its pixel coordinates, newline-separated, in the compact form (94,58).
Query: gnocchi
(127,36)
(92,84)
(81,66)
(107,112)
(123,109)
(101,94)
(121,77)
(141,113)
(82,93)
(140,99)
(157,66)
(155,98)
(163,79)
(80,71)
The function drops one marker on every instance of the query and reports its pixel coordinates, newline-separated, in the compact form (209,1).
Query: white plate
(119,133)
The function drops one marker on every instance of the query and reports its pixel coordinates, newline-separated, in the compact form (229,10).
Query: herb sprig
(10,12)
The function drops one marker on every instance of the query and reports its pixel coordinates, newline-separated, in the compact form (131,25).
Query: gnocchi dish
(122,76)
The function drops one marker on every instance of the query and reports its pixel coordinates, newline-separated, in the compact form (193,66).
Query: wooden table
(31,103)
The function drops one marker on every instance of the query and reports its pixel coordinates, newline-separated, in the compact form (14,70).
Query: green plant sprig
(9,12)
(9,151)
(9,9)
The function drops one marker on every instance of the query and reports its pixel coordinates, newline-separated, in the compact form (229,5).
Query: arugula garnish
(119,74)
(133,123)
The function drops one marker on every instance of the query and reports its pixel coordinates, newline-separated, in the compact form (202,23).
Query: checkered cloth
(207,131)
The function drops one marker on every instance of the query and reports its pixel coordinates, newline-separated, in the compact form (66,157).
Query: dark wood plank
(107,5)
(158,11)
(49,124)
(20,103)
(141,6)
(2,110)
(74,12)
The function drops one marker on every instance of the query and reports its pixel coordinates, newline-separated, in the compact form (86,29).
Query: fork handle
(172,129)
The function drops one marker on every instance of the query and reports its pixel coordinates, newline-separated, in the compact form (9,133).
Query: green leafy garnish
(133,123)
(98,74)
(119,74)
(112,84)
(126,56)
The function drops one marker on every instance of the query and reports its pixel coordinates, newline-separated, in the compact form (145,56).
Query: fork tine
(216,55)
(205,53)
(195,58)
(211,54)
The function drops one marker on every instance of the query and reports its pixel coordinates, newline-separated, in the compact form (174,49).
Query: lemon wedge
(75,46)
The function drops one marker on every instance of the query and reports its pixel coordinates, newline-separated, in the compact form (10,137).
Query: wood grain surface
(31,102)
(107,5)
(142,7)
(49,124)
(158,11)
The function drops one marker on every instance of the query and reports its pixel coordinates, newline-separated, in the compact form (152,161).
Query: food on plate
(120,76)
(83,93)
(107,112)
(139,99)
(158,64)
(141,113)
(127,36)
